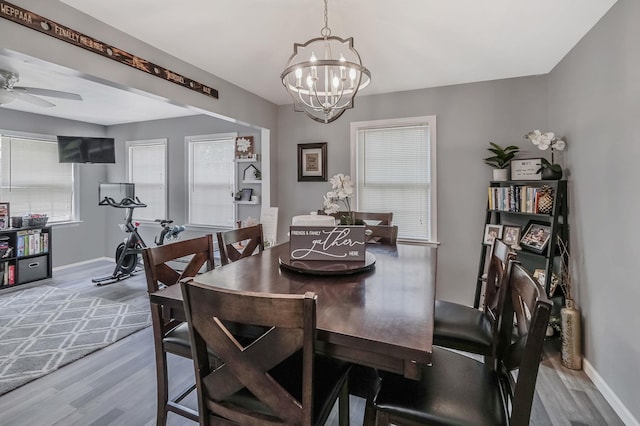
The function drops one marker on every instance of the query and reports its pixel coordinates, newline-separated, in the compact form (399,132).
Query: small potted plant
(500,160)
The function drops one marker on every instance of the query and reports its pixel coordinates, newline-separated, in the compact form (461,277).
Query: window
(393,164)
(147,168)
(211,180)
(33,181)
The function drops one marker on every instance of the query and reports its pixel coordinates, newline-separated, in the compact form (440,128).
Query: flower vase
(550,174)
(571,348)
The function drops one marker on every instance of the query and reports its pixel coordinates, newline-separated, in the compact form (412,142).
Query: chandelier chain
(326,31)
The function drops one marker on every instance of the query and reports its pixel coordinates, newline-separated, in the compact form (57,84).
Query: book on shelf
(514,198)
(8,273)
(32,242)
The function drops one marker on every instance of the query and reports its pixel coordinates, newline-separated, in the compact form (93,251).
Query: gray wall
(594,99)
(468,117)
(79,241)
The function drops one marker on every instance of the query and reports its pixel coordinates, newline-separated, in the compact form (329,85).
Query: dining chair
(468,329)
(274,380)
(239,243)
(381,234)
(169,334)
(457,389)
(379,218)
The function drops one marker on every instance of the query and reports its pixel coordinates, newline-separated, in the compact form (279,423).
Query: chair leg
(369,414)
(163,388)
(382,419)
(343,405)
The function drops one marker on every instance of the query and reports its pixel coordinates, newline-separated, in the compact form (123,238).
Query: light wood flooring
(116,385)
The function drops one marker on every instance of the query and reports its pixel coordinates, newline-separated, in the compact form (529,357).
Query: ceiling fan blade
(23,96)
(47,92)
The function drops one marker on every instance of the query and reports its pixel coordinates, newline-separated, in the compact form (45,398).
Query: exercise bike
(127,252)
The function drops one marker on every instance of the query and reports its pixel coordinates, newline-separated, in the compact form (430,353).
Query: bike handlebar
(125,203)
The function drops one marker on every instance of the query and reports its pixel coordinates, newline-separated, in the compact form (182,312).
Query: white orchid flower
(559,145)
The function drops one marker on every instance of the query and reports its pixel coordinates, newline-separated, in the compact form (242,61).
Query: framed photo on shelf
(491,232)
(5,217)
(312,162)
(245,194)
(511,235)
(527,169)
(536,236)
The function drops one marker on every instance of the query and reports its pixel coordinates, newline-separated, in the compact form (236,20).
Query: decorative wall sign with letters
(327,243)
(53,29)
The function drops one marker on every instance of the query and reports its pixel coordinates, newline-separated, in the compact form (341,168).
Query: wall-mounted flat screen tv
(80,149)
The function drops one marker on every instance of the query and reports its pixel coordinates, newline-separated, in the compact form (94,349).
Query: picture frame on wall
(491,232)
(536,237)
(5,216)
(244,148)
(312,162)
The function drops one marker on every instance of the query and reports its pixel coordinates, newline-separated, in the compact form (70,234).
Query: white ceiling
(406,44)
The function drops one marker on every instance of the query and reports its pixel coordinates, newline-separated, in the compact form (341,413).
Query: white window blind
(32,179)
(394,173)
(148,170)
(211,180)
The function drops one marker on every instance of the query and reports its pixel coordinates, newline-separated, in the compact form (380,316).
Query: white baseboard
(84,262)
(613,400)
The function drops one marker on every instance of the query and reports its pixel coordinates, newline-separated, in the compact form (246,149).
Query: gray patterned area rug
(43,328)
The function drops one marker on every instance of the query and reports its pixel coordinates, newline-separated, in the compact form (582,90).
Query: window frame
(74,211)
(150,142)
(203,138)
(430,122)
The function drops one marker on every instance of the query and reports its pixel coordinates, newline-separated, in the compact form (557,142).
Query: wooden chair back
(495,288)
(156,258)
(384,218)
(520,346)
(289,321)
(381,234)
(239,243)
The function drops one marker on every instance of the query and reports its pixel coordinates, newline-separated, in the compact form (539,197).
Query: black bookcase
(512,210)
(25,255)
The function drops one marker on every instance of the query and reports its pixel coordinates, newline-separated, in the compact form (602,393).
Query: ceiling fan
(9,92)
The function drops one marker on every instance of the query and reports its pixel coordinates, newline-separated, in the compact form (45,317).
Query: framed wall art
(244,148)
(536,236)
(312,162)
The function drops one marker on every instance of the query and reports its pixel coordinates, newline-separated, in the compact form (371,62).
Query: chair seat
(462,327)
(327,385)
(439,399)
(177,342)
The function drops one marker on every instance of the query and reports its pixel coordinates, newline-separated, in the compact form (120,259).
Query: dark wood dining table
(382,317)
